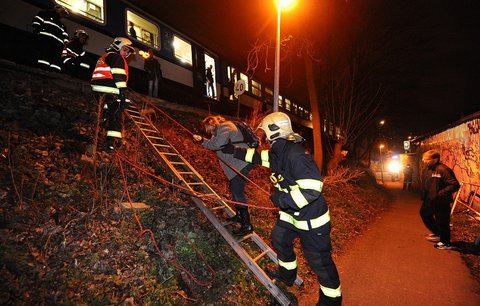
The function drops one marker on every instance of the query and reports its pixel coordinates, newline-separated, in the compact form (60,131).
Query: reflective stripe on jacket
(296,175)
(48,24)
(110,74)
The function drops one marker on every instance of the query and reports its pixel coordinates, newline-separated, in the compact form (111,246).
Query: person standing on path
(439,183)
(407,177)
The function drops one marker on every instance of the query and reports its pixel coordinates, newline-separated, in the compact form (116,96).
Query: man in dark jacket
(110,78)
(51,35)
(439,184)
(73,55)
(223,133)
(303,210)
(154,73)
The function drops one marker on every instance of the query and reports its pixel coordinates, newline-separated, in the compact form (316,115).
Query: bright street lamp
(380,147)
(281,4)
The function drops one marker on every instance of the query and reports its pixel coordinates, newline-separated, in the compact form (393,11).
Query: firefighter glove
(276,200)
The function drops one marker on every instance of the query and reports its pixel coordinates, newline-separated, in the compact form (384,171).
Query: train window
(280,101)
(245,78)
(143,30)
(92,9)
(268,95)
(256,88)
(232,74)
(183,50)
(295,108)
(288,104)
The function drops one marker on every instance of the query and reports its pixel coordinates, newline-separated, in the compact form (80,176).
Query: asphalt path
(393,264)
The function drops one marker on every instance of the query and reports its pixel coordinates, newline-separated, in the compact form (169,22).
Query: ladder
(192,180)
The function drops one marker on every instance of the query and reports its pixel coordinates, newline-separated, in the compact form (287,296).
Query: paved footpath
(393,264)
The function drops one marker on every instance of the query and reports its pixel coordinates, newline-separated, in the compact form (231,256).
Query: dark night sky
(429,50)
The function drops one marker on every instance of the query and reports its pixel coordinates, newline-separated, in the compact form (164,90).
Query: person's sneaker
(432,238)
(442,246)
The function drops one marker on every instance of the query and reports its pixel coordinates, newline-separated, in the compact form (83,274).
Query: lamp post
(276,79)
(380,147)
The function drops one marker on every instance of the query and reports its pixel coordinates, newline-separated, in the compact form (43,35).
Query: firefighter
(73,55)
(303,210)
(52,36)
(225,132)
(109,79)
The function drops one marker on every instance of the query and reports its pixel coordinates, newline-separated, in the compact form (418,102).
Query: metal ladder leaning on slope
(194,182)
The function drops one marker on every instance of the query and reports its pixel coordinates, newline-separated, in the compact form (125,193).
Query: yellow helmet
(276,125)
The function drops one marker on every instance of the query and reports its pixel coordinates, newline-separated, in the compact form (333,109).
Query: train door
(210,77)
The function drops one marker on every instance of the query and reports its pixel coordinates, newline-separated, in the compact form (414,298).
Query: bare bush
(342,176)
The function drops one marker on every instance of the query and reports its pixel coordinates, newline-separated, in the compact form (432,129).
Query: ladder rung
(217,208)
(195,183)
(168,153)
(261,255)
(148,130)
(183,173)
(142,123)
(155,137)
(244,238)
(177,163)
(132,110)
(161,145)
(136,117)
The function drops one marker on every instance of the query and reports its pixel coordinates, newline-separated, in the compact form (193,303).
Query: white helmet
(276,125)
(119,42)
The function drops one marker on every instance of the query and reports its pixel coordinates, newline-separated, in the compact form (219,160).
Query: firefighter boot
(236,218)
(245,225)
(276,275)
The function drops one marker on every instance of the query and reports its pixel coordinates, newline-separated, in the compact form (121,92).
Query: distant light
(381,146)
(394,156)
(382,122)
(394,167)
(144,54)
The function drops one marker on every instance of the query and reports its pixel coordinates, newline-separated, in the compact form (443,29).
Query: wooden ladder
(192,180)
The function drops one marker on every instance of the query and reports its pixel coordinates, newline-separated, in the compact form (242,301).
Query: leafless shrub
(342,176)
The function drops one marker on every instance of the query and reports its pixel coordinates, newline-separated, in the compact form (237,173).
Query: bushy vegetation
(68,235)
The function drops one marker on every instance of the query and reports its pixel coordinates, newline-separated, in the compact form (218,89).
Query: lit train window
(256,88)
(295,108)
(280,101)
(245,78)
(268,95)
(143,30)
(288,104)
(183,50)
(92,9)
(232,73)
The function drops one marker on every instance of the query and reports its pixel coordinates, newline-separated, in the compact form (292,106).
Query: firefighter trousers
(316,245)
(113,115)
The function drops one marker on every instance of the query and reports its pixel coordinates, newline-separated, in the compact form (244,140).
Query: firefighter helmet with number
(120,42)
(80,32)
(276,125)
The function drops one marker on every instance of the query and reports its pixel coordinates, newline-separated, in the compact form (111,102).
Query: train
(183,60)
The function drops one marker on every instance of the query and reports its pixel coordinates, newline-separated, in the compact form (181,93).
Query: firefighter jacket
(224,134)
(74,54)
(47,24)
(298,183)
(110,74)
(439,184)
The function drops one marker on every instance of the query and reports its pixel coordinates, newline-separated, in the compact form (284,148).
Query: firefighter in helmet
(109,79)
(73,56)
(51,35)
(303,210)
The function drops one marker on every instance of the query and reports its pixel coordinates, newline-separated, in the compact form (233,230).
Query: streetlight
(380,147)
(281,4)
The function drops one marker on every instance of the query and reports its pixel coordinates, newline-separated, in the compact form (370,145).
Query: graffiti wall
(459,147)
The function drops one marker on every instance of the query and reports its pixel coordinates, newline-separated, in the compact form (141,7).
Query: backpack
(248,134)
